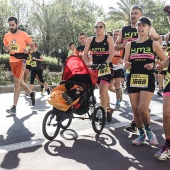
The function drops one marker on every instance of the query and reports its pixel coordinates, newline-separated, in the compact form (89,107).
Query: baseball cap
(144,20)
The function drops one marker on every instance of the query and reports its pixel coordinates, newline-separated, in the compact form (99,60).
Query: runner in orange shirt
(15,43)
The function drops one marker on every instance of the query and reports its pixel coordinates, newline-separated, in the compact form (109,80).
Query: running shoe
(151,138)
(117,107)
(32,95)
(139,141)
(48,91)
(131,127)
(109,115)
(12,110)
(163,153)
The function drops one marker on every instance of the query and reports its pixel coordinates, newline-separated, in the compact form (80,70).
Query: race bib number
(139,80)
(15,48)
(167,79)
(33,64)
(105,71)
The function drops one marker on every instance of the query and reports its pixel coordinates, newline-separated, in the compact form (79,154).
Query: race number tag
(33,64)
(139,80)
(15,48)
(105,71)
(167,79)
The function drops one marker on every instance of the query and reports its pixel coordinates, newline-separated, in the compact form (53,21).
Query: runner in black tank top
(140,78)
(128,33)
(102,49)
(139,57)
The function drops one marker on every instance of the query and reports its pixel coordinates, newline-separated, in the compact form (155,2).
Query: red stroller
(75,73)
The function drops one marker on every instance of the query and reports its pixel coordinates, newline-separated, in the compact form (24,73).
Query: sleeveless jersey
(141,54)
(99,50)
(129,34)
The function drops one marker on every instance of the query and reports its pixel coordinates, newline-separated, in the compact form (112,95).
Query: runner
(36,68)
(115,84)
(73,50)
(82,39)
(129,33)
(140,58)
(15,44)
(102,48)
(165,150)
(161,75)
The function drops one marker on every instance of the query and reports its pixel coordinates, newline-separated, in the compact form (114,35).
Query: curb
(10,88)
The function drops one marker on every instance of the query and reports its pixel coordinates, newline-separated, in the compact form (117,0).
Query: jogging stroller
(75,73)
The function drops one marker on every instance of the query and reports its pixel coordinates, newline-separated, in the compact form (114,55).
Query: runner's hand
(149,66)
(101,66)
(26,51)
(159,66)
(127,64)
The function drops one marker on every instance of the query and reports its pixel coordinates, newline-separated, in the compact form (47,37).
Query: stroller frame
(57,119)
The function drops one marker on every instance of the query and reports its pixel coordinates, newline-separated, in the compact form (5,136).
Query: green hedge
(50,62)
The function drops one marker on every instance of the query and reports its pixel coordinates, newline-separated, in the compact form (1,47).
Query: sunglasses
(100,27)
(168,13)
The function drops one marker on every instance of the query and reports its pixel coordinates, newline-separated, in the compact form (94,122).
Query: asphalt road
(23,146)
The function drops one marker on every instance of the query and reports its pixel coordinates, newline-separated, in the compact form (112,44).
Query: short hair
(102,23)
(13,19)
(70,43)
(136,7)
(110,33)
(82,33)
(116,30)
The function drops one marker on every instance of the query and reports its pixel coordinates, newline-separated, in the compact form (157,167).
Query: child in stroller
(73,94)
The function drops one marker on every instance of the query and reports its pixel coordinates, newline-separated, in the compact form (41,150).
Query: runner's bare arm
(167,36)
(86,50)
(127,64)
(154,35)
(111,49)
(119,45)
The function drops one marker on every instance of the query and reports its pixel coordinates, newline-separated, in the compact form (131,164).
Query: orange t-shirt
(17,41)
(117,56)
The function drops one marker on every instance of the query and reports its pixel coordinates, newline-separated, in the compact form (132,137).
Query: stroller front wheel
(98,119)
(50,126)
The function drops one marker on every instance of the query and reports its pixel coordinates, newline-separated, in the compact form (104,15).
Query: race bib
(15,48)
(105,71)
(167,79)
(33,64)
(139,80)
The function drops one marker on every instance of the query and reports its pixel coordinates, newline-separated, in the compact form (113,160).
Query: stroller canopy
(75,66)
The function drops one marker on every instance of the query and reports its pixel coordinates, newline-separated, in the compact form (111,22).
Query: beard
(13,30)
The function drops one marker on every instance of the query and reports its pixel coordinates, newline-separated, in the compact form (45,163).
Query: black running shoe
(32,95)
(12,110)
(48,91)
(131,127)
(109,115)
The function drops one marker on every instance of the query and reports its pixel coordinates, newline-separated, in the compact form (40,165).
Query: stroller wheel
(98,119)
(50,126)
(65,123)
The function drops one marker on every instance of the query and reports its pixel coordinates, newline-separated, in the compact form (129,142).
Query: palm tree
(122,13)
(46,18)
